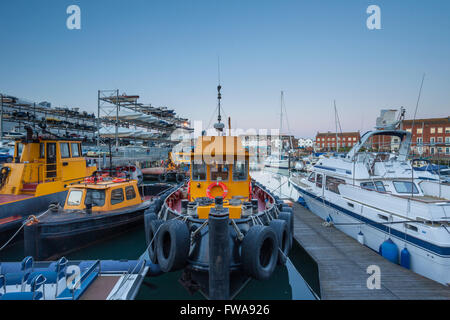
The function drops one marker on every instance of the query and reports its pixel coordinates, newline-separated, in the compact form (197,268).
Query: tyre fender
(172,247)
(259,252)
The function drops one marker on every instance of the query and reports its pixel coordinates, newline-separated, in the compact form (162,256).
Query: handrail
(241,220)
(84,276)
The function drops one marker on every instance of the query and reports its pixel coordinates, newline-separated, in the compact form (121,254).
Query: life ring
(89,180)
(212,185)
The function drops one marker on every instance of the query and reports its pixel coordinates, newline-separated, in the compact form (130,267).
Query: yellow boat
(39,175)
(95,210)
(221,228)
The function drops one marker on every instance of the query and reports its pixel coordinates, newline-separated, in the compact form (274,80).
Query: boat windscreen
(97,196)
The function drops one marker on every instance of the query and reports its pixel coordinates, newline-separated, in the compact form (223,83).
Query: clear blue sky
(166,51)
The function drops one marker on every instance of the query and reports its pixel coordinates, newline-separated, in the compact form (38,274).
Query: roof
(429,120)
(219,149)
(333,134)
(103,184)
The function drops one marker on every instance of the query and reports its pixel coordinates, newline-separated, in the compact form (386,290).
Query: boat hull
(431,262)
(19,210)
(51,239)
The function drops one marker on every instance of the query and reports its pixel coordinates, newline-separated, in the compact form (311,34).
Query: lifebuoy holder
(214,184)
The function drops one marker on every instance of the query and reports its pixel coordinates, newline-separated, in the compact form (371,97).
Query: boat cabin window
(199,172)
(97,197)
(64,147)
(74,198)
(368,185)
(219,172)
(333,183)
(405,187)
(130,193)
(75,148)
(240,169)
(42,150)
(379,185)
(312,177)
(319,181)
(117,196)
(19,149)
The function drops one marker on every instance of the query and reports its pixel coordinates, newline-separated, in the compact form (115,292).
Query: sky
(167,52)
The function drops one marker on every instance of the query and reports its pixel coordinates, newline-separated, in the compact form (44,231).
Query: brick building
(327,141)
(430,137)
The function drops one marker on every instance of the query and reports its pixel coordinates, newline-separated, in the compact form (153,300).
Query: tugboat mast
(219,126)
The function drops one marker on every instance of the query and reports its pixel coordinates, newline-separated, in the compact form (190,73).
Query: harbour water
(297,280)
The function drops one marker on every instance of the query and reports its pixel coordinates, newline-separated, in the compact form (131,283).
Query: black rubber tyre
(149,215)
(289,218)
(162,177)
(172,246)
(259,253)
(281,230)
(153,235)
(179,178)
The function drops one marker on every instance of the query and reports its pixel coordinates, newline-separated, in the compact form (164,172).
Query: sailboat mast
(336,123)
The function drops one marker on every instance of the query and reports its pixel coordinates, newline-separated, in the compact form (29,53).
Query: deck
(343,262)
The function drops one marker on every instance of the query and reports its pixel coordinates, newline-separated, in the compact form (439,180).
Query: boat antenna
(219,126)
(412,128)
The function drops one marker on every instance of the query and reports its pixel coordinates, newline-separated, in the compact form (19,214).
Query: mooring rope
(27,220)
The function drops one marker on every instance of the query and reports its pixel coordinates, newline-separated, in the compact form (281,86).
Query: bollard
(184,206)
(255,205)
(219,252)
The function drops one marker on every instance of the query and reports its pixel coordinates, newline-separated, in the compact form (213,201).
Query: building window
(440,130)
(447,140)
(432,140)
(419,140)
(408,130)
(447,150)
(440,139)
(440,150)
(432,130)
(354,138)
(432,150)
(419,131)
(447,129)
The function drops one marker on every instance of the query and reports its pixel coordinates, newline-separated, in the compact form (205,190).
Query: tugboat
(40,174)
(221,228)
(97,209)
